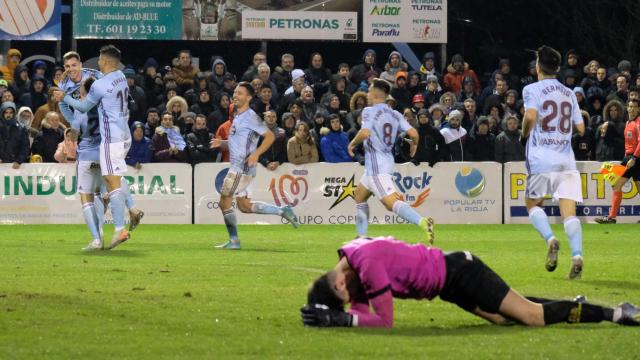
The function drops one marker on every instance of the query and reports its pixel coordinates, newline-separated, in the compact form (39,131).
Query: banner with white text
(411,21)
(46,193)
(300,25)
(596,193)
(451,193)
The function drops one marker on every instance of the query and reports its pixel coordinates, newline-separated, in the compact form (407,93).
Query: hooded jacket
(139,152)
(8,69)
(319,79)
(334,147)
(453,79)
(481,147)
(14,140)
(508,147)
(357,74)
(18,86)
(184,75)
(34,99)
(389,73)
(216,82)
(431,145)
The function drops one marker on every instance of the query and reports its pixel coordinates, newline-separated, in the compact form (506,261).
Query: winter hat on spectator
(188,114)
(503,62)
(229,76)
(285,116)
(512,92)
(14,52)
(532,65)
(400,74)
(135,125)
(296,74)
(129,73)
(417,98)
(573,52)
(431,78)
(39,64)
(457,58)
(437,106)
(456,114)
(422,111)
(429,55)
(392,99)
(4,83)
(579,90)
(367,52)
(395,53)
(624,65)
(481,120)
(371,73)
(151,62)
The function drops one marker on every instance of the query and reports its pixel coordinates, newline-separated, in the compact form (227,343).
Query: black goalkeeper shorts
(471,284)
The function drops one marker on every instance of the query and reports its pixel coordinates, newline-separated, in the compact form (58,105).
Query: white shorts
(112,157)
(235,184)
(560,185)
(380,185)
(89,176)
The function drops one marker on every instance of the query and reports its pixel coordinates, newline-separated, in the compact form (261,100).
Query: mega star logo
(339,188)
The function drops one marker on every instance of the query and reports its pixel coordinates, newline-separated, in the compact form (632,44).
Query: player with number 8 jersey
(380,128)
(551,112)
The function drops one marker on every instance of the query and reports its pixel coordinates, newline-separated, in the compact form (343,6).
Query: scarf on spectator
(175,139)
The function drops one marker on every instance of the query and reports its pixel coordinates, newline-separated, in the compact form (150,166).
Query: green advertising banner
(127,19)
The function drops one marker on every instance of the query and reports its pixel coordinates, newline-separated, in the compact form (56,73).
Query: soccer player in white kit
(244,154)
(111,93)
(551,112)
(380,128)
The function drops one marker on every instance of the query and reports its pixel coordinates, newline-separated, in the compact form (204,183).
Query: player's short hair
(381,85)
(71,55)
(270,111)
(111,51)
(265,86)
(86,85)
(334,117)
(322,292)
(549,60)
(343,65)
(166,113)
(184,51)
(247,86)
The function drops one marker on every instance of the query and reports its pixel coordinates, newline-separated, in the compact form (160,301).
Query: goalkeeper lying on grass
(374,271)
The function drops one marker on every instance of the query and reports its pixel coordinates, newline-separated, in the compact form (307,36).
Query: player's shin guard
(116,198)
(98,205)
(540,222)
(573,229)
(259,207)
(231,223)
(362,218)
(88,211)
(405,211)
(615,204)
(128,199)
(574,312)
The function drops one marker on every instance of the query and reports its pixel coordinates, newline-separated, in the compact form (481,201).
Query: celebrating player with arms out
(111,94)
(380,128)
(551,111)
(244,154)
(631,156)
(372,272)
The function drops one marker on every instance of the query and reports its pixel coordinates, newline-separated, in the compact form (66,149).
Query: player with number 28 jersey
(551,113)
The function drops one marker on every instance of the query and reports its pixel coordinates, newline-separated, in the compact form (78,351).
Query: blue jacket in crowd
(139,151)
(334,147)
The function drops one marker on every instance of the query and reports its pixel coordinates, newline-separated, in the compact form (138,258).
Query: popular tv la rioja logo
(470,182)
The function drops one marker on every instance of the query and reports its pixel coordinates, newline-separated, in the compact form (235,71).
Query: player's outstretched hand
(215,143)
(252,160)
(321,316)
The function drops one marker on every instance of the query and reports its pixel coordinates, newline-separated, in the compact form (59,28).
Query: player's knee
(533,317)
(244,206)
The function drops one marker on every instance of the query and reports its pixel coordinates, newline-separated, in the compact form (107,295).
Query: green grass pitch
(168,294)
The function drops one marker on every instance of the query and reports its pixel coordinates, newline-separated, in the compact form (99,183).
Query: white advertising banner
(412,21)
(451,193)
(46,193)
(596,193)
(300,25)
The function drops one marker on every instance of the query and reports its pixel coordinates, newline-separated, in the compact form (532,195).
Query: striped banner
(30,20)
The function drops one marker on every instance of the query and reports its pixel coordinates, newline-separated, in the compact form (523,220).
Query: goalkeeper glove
(321,316)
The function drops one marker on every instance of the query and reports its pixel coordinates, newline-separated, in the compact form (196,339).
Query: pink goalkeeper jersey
(389,268)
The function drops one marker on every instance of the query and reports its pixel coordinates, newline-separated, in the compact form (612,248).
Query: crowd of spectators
(314,111)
